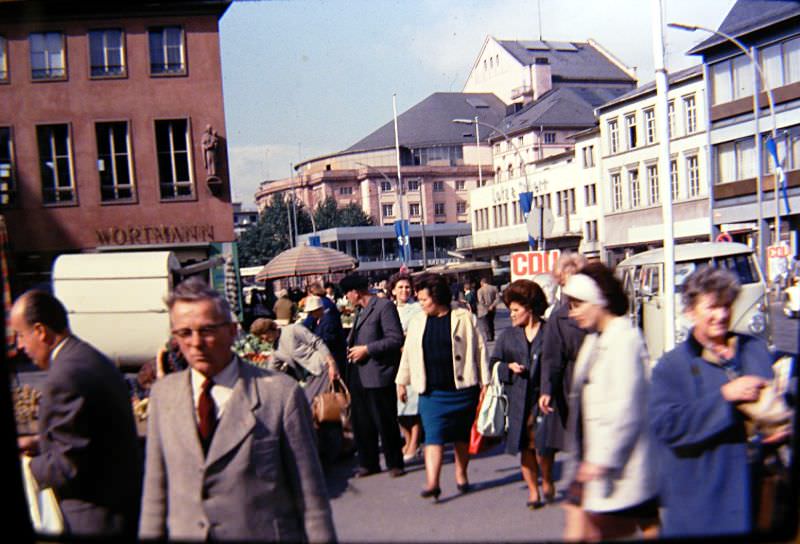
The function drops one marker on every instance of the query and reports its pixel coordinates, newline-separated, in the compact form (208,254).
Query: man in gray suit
(488,297)
(86,450)
(374,350)
(230,447)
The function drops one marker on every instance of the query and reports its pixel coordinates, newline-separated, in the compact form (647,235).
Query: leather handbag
(333,405)
(493,415)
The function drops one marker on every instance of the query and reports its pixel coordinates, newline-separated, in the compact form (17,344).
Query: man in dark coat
(374,353)
(86,450)
(562,341)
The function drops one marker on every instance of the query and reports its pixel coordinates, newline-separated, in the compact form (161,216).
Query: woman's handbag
(493,415)
(332,406)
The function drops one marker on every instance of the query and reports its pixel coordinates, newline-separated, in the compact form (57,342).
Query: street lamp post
(756,106)
(516,151)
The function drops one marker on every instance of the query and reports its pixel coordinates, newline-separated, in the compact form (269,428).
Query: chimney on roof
(541,77)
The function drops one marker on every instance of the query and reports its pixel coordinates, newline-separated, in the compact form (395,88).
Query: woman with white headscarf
(613,468)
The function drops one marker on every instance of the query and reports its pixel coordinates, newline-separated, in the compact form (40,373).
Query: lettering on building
(156,234)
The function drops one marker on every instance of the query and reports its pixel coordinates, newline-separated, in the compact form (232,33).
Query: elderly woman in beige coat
(444,359)
(614,479)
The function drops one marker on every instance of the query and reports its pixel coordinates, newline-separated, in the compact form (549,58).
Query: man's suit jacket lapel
(238,419)
(183,422)
(361,319)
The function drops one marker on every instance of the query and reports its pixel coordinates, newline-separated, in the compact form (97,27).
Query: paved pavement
(383,509)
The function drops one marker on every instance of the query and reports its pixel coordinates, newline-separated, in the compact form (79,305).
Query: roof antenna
(539,3)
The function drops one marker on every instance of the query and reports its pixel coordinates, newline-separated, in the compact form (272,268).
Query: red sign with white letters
(527,264)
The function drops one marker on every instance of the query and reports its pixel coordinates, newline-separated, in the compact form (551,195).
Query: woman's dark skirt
(447,416)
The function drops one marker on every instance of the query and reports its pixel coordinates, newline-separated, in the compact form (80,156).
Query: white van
(642,276)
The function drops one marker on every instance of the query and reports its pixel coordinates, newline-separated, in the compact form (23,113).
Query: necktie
(206,413)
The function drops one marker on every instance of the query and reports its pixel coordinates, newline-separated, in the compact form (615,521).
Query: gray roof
(674,78)
(430,122)
(568,60)
(748,16)
(562,107)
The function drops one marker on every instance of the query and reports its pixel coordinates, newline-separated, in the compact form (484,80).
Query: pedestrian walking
(86,449)
(444,359)
(374,347)
(561,343)
(613,467)
(488,297)
(517,354)
(230,446)
(401,287)
(698,390)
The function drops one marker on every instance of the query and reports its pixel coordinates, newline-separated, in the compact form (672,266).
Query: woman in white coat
(613,466)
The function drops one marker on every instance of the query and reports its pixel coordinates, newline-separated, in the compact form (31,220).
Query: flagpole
(403,226)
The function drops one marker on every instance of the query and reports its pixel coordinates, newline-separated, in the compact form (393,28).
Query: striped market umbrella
(306,261)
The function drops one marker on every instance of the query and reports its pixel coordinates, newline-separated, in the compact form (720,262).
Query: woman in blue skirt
(444,358)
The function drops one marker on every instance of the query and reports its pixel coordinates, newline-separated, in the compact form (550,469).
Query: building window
(386,186)
(3,59)
(7,183)
(461,207)
(591,231)
(588,156)
(387,210)
(671,118)
(613,136)
(167,55)
(438,208)
(174,166)
(652,184)
(736,160)
(106,53)
(590,194)
(438,186)
(781,62)
(47,55)
(113,161)
(650,126)
(549,137)
(413,184)
(565,202)
(636,193)
(413,209)
(690,109)
(55,164)
(630,130)
(693,173)
(732,79)
(345,190)
(461,185)
(673,176)
(616,192)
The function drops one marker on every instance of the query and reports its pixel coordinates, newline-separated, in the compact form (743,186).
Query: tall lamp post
(517,152)
(778,178)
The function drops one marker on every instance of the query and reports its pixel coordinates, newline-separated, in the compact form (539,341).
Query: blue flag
(780,176)
(403,242)
(525,205)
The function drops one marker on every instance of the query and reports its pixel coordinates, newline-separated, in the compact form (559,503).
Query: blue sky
(304,78)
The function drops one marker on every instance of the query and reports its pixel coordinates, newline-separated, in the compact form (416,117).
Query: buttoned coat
(89,448)
(706,479)
(610,384)
(378,327)
(470,366)
(261,479)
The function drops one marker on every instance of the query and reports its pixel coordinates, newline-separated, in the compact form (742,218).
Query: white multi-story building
(628,159)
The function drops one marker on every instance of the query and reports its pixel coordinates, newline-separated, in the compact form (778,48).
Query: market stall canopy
(456,268)
(307,261)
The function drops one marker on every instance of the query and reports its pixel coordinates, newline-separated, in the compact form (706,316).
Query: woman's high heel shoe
(428,493)
(464,488)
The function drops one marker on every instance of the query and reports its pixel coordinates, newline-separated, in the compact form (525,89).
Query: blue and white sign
(403,241)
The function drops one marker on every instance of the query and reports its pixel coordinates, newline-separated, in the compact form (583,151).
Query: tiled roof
(568,60)
(430,122)
(747,16)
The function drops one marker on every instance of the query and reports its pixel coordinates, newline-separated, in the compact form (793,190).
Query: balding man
(86,450)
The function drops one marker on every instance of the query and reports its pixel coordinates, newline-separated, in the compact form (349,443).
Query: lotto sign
(527,264)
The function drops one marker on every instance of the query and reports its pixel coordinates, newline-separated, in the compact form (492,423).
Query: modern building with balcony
(771,31)
(102,130)
(628,148)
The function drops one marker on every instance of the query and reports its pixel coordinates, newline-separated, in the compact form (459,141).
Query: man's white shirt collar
(223,385)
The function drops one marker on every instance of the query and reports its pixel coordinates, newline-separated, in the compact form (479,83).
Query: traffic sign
(540,222)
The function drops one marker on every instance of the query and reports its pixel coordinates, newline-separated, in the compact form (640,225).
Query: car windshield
(742,265)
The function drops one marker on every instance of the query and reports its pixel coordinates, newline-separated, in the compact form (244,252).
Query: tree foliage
(263,241)
(329,215)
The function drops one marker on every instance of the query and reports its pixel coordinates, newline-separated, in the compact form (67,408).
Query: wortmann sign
(527,264)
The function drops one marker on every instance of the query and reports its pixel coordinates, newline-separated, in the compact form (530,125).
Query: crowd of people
(232,452)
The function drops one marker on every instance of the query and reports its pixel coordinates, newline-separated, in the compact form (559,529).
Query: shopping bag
(333,405)
(493,416)
(42,503)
